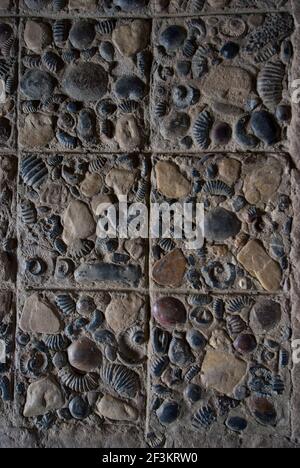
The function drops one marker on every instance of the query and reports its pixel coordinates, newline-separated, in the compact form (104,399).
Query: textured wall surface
(143,342)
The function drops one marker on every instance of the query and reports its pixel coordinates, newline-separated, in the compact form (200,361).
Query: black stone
(173,37)
(220,224)
(230,50)
(265,127)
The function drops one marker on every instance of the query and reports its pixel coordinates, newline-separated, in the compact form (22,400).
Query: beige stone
(2,352)
(78,222)
(38,316)
(228,84)
(262,182)
(89,5)
(37,36)
(131,38)
(91,185)
(229,170)
(128,134)
(135,248)
(42,396)
(170,270)
(170,181)
(122,312)
(37,130)
(120,180)
(54,193)
(222,371)
(100,203)
(259,264)
(115,409)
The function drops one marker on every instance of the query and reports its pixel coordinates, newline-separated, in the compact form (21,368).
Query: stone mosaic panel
(84,84)
(81,357)
(219,369)
(61,200)
(247,223)
(8,82)
(8,235)
(221,82)
(7,346)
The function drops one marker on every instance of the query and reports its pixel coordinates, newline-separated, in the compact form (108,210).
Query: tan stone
(37,36)
(100,203)
(229,170)
(227,84)
(91,185)
(170,270)
(128,134)
(38,316)
(219,250)
(37,131)
(89,5)
(115,409)
(122,312)
(54,193)
(257,262)
(2,352)
(131,38)
(222,371)
(262,182)
(170,181)
(42,396)
(78,222)
(120,180)
(135,248)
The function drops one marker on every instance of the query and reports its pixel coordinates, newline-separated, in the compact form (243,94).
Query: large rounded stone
(130,87)
(78,222)
(43,396)
(265,127)
(131,38)
(169,311)
(38,316)
(170,270)
(84,355)
(37,36)
(173,37)
(37,84)
(122,312)
(85,82)
(82,35)
(115,409)
(37,130)
(170,182)
(220,224)
(267,314)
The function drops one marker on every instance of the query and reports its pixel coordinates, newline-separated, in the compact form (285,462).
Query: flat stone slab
(203,386)
(96,337)
(63,244)
(243,198)
(218,86)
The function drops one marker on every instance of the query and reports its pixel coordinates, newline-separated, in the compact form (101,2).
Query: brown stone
(37,130)
(245,343)
(123,311)
(266,314)
(169,311)
(170,181)
(115,409)
(37,36)
(84,355)
(229,170)
(131,38)
(120,180)
(263,410)
(38,316)
(222,371)
(170,270)
(54,193)
(100,203)
(43,396)
(128,134)
(135,248)
(91,185)
(257,262)
(261,183)
(78,222)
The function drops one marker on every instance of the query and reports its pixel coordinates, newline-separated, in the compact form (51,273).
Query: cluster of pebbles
(122,98)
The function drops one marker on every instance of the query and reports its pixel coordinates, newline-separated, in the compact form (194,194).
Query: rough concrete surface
(112,342)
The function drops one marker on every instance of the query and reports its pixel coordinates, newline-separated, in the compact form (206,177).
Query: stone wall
(145,343)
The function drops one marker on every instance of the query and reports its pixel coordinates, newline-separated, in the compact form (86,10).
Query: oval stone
(130,87)
(267,313)
(220,224)
(85,82)
(245,343)
(82,35)
(37,84)
(236,424)
(84,355)
(79,408)
(168,412)
(265,127)
(168,311)
(263,410)
(173,37)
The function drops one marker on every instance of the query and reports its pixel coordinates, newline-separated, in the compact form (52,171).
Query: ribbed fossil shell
(65,303)
(270,83)
(202,128)
(33,171)
(78,382)
(56,342)
(121,379)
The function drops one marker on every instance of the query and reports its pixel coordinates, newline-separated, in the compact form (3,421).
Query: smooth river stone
(230,85)
(38,316)
(169,311)
(37,36)
(266,314)
(220,225)
(84,355)
(131,38)
(43,396)
(263,410)
(262,182)
(91,185)
(122,312)
(120,180)
(94,272)
(170,270)
(222,371)
(115,409)
(37,130)
(170,182)
(128,134)
(257,262)
(78,222)
(229,170)
(37,84)
(85,82)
